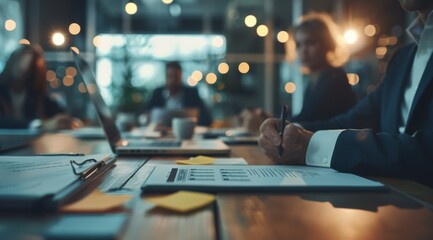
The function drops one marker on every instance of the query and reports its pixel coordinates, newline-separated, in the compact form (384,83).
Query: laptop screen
(105,114)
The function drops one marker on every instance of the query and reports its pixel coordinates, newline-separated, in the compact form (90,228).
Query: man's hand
(295,142)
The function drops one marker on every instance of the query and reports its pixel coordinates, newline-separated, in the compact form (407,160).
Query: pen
(283,116)
(61,154)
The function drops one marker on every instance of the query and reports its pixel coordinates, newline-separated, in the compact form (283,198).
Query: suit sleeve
(332,96)
(365,114)
(393,155)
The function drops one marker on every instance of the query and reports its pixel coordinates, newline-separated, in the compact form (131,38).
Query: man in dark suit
(176,96)
(395,136)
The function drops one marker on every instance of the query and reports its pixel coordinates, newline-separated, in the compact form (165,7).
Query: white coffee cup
(183,128)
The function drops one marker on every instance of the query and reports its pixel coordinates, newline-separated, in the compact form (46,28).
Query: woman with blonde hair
(321,52)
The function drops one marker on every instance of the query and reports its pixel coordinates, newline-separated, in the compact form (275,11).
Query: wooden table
(297,215)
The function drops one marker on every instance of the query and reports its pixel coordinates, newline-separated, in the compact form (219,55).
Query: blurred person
(389,133)
(175,96)
(24,102)
(321,52)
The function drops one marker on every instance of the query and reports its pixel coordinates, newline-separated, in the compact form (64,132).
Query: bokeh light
(211,78)
(262,30)
(97,41)
(290,87)
(353,78)
(244,67)
(191,82)
(76,50)
(370,30)
(68,81)
(74,29)
(223,68)
(24,41)
(71,71)
(197,75)
(283,36)
(51,75)
(10,25)
(350,36)
(167,2)
(58,39)
(250,21)
(218,41)
(131,8)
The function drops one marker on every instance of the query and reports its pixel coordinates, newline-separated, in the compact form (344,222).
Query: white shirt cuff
(321,147)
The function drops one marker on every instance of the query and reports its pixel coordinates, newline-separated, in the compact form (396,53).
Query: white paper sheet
(265,177)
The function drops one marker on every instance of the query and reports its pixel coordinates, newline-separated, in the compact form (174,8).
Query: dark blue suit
(190,99)
(379,149)
(328,97)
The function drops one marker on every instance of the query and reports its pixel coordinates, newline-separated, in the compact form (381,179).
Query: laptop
(140,147)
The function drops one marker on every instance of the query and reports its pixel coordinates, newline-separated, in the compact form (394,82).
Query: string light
(262,30)
(71,71)
(10,25)
(24,41)
(167,2)
(250,21)
(283,36)
(218,41)
(131,8)
(370,30)
(76,50)
(290,87)
(191,82)
(74,29)
(68,81)
(58,39)
(97,41)
(223,68)
(350,36)
(211,78)
(353,78)
(197,75)
(244,67)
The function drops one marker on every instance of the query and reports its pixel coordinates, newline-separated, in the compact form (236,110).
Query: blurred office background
(233,51)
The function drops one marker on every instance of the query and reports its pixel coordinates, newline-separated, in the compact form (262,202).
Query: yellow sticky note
(97,202)
(183,201)
(199,160)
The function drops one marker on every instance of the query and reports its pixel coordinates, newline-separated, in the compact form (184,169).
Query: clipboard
(31,190)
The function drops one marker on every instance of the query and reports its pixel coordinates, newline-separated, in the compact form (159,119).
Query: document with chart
(218,178)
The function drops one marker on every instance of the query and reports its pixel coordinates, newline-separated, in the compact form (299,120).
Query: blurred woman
(321,51)
(24,102)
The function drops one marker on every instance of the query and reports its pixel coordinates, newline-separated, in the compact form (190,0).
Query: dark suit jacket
(328,97)
(190,99)
(51,108)
(379,149)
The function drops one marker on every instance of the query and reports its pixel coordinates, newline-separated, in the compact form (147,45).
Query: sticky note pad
(97,202)
(182,201)
(199,160)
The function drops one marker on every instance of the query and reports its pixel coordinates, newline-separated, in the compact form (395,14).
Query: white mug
(183,128)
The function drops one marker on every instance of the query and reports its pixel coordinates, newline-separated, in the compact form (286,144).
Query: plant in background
(127,97)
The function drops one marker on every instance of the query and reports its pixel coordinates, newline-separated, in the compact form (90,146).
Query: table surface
(403,212)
